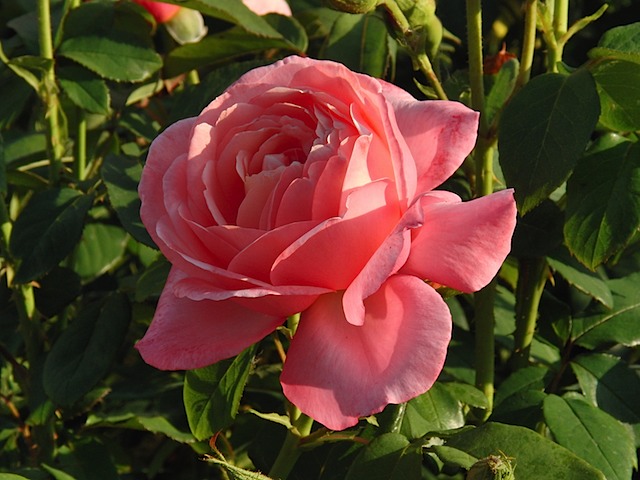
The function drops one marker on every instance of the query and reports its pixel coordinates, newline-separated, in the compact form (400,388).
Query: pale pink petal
(336,372)
(463,245)
(187,334)
(262,7)
(440,134)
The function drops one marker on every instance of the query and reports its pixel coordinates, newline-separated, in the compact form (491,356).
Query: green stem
(55,145)
(485,345)
(560,17)
(290,450)
(483,156)
(80,158)
(528,43)
(532,278)
(474,42)
(424,65)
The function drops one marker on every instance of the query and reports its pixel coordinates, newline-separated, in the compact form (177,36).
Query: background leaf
(592,434)
(84,88)
(617,325)
(603,203)
(83,353)
(47,231)
(212,394)
(534,455)
(618,83)
(390,457)
(543,131)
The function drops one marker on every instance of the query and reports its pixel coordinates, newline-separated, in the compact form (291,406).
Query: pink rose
(262,7)
(162,12)
(308,188)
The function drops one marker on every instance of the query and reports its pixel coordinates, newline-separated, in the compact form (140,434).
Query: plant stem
(55,145)
(290,451)
(560,17)
(528,43)
(532,278)
(424,65)
(485,345)
(474,44)
(80,157)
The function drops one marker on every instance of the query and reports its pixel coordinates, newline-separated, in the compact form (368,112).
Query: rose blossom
(262,7)
(308,188)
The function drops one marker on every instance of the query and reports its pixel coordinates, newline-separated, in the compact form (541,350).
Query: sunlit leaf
(591,434)
(534,456)
(212,394)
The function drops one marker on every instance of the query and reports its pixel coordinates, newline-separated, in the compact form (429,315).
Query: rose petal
(187,334)
(336,372)
(463,245)
(440,134)
(165,149)
(333,253)
(386,261)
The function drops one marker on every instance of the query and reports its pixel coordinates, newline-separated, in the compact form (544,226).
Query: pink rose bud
(306,187)
(162,12)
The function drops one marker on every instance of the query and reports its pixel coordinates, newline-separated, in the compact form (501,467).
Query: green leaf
(218,48)
(88,459)
(361,42)
(101,247)
(388,457)
(501,89)
(83,353)
(543,131)
(212,394)
(56,290)
(591,434)
(620,42)
(467,394)
(618,325)
(453,456)
(11,476)
(121,175)
(237,473)
(152,280)
(603,203)
(539,231)
(535,457)
(529,378)
(119,59)
(609,384)
(581,278)
(160,424)
(84,88)
(618,84)
(435,410)
(47,230)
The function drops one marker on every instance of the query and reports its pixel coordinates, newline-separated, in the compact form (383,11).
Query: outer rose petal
(440,134)
(462,245)
(336,372)
(187,334)
(262,7)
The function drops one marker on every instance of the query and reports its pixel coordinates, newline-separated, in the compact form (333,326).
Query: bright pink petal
(187,334)
(440,134)
(463,245)
(162,12)
(336,372)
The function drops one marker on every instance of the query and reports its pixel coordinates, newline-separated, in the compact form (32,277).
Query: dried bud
(494,467)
